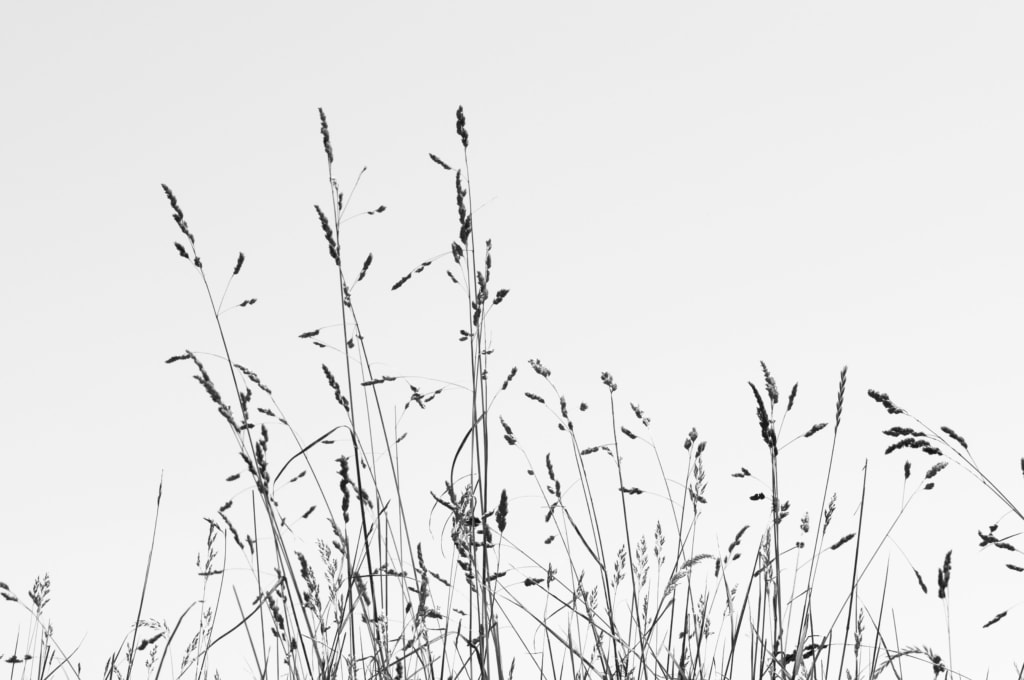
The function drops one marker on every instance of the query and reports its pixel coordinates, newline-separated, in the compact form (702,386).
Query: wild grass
(621,599)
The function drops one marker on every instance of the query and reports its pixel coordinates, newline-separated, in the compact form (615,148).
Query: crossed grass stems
(376,609)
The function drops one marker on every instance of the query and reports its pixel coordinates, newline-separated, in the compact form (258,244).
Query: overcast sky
(675,192)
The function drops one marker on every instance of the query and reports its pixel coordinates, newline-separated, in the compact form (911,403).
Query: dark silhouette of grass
(373,605)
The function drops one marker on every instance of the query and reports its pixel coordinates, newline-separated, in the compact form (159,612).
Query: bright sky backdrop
(675,192)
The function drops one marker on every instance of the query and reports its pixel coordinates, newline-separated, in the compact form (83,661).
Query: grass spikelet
(203,378)
(842,541)
(557,490)
(995,619)
(338,396)
(935,469)
(903,432)
(332,245)
(465,219)
(509,437)
(377,381)
(251,376)
(233,531)
(179,216)
(920,581)
(815,429)
(954,436)
(365,268)
(640,415)
(839,398)
(325,134)
(769,384)
(509,378)
(40,593)
(829,511)
(944,573)
(401,282)
(736,541)
(501,517)
(905,443)
(181,251)
(344,484)
(150,641)
(460,127)
(440,162)
(539,368)
(884,399)
(767,433)
(792,398)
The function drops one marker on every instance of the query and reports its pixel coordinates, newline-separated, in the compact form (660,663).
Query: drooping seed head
(884,399)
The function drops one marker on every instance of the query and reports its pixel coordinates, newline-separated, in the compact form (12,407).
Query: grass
(380,599)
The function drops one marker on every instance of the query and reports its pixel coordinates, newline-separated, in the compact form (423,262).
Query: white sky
(675,192)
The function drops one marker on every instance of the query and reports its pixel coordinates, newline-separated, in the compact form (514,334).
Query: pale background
(677,191)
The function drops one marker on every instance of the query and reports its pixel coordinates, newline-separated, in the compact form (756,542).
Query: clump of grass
(563,580)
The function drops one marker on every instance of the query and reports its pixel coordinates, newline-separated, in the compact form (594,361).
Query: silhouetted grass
(373,603)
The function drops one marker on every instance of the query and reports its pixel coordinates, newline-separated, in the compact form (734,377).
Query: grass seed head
(440,162)
(539,368)
(326,135)
(460,127)
(179,216)
(954,436)
(502,515)
(332,245)
(769,385)
(839,398)
(944,572)
(792,398)
(884,399)
(815,429)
